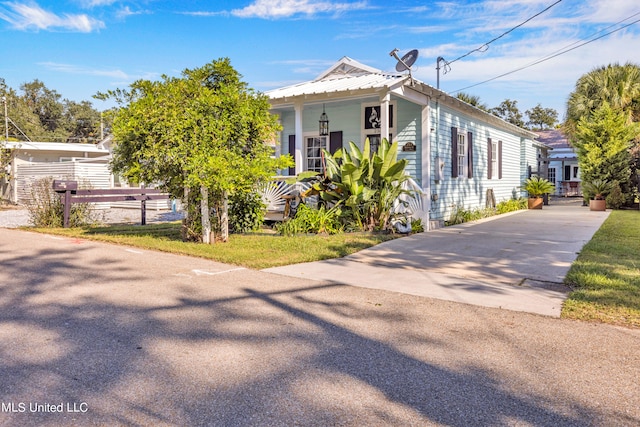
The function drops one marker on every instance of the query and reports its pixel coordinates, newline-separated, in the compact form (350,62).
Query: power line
(485,46)
(558,53)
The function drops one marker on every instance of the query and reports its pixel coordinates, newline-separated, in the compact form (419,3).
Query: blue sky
(80,47)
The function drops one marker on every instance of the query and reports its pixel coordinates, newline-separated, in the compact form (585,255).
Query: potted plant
(597,190)
(537,187)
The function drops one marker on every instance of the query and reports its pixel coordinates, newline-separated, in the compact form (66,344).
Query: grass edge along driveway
(253,250)
(605,277)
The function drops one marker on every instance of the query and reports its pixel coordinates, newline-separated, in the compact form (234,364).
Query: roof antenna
(405,63)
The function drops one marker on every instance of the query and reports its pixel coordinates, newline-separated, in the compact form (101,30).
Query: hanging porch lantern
(324,123)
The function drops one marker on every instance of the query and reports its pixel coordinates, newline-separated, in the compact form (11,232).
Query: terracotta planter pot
(597,205)
(535,202)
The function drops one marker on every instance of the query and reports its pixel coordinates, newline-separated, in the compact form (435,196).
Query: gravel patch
(14,217)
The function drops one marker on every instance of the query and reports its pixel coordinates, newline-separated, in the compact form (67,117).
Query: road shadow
(233,350)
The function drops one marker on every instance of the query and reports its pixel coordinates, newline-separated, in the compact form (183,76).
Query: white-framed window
(551,175)
(462,154)
(313,152)
(494,159)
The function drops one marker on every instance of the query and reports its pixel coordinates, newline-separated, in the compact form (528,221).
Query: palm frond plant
(537,187)
(366,184)
(597,189)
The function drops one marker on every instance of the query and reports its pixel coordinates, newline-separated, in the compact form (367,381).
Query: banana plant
(366,183)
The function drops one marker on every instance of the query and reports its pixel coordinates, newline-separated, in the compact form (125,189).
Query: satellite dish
(407,61)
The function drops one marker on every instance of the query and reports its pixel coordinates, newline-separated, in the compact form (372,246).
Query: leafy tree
(81,121)
(44,102)
(541,118)
(602,142)
(509,112)
(617,86)
(39,114)
(472,100)
(199,136)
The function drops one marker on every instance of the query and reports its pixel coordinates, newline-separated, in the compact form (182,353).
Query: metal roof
(335,85)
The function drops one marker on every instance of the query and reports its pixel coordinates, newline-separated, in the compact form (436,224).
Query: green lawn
(256,250)
(606,275)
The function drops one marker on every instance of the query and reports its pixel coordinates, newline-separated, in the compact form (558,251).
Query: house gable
(346,67)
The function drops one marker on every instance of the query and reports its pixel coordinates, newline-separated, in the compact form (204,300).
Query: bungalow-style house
(86,163)
(33,160)
(458,154)
(562,163)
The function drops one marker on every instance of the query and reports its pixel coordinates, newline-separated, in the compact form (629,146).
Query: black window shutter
(292,151)
(489,158)
(335,141)
(499,159)
(454,152)
(469,155)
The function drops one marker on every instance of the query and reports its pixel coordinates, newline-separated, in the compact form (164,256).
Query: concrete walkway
(514,261)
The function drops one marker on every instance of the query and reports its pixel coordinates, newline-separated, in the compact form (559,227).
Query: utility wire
(558,53)
(485,46)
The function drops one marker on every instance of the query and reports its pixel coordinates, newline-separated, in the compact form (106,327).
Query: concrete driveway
(515,261)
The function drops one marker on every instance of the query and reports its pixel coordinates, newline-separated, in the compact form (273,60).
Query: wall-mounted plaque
(409,146)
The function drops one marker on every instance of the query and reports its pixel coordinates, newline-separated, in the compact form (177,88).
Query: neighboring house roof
(56,146)
(553,138)
(351,78)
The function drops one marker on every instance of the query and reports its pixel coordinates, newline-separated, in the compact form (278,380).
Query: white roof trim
(56,146)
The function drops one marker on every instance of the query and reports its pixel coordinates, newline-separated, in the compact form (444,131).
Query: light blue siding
(470,193)
(408,130)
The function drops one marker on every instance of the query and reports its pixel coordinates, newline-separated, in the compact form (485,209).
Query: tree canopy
(200,136)
(602,141)
(509,112)
(541,118)
(41,114)
(617,85)
(602,119)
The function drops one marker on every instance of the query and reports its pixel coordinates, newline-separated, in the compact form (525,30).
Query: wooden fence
(70,194)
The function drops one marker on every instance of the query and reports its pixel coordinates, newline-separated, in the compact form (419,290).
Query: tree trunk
(204,213)
(185,221)
(224,217)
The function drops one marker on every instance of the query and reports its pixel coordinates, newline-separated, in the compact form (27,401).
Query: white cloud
(125,12)
(273,9)
(116,74)
(23,16)
(96,3)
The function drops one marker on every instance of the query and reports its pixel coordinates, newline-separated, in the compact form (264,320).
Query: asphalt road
(113,336)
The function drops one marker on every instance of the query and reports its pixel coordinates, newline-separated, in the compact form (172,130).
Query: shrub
(46,209)
(416,226)
(460,215)
(616,197)
(246,212)
(511,205)
(308,220)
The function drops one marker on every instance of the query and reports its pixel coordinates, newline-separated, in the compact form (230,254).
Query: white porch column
(384,116)
(426,165)
(299,159)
